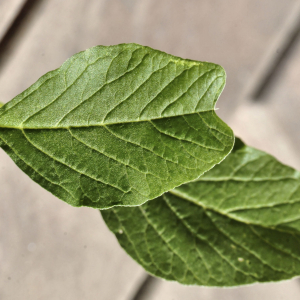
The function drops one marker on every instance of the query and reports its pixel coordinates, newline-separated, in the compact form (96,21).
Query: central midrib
(100,124)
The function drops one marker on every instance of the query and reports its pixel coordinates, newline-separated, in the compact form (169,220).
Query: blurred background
(50,250)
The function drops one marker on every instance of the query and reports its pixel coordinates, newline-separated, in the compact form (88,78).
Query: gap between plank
(276,56)
(145,288)
(6,43)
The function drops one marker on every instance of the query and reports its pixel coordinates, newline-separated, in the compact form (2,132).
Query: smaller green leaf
(252,187)
(1,104)
(238,224)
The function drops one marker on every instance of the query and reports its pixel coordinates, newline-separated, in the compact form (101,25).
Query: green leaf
(238,224)
(117,125)
(252,187)
(1,104)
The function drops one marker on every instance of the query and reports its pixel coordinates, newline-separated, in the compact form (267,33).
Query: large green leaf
(236,225)
(117,125)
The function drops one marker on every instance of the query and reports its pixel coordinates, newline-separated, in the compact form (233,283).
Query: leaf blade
(118,125)
(185,236)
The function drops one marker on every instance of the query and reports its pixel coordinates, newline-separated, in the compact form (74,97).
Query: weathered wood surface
(272,291)
(284,99)
(49,250)
(273,123)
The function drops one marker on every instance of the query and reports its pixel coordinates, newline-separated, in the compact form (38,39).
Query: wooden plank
(276,55)
(43,239)
(273,123)
(50,250)
(275,291)
(9,9)
(258,125)
(283,101)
